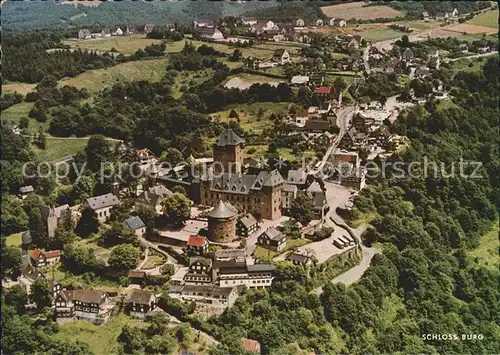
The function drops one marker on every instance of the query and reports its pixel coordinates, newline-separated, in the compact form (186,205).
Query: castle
(226,180)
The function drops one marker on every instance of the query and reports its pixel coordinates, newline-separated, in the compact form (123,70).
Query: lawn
(186,79)
(263,253)
(102,339)
(249,114)
(21,88)
(14,113)
(98,79)
(381,34)
(487,251)
(487,19)
(124,44)
(255,151)
(13,240)
(286,154)
(57,148)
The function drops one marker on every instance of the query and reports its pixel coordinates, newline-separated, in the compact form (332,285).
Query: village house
(422,71)
(301,116)
(153,197)
(41,258)
(24,191)
(208,34)
(288,194)
(380,137)
(26,239)
(148,28)
(89,305)
(300,23)
(116,31)
(196,245)
(248,21)
(339,23)
(281,56)
(300,259)
(407,54)
(353,44)
(426,16)
(130,30)
(139,303)
(136,225)
(136,277)
(329,93)
(106,33)
(145,157)
(84,34)
(101,205)
(316,79)
(246,225)
(52,215)
(353,139)
(199,271)
(319,22)
(206,23)
(298,178)
(272,239)
(264,26)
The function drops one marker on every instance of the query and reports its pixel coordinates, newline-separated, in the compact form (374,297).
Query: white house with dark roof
(153,197)
(272,239)
(246,225)
(281,56)
(25,191)
(299,259)
(136,225)
(140,302)
(102,205)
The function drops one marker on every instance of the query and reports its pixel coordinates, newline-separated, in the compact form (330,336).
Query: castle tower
(228,152)
(222,223)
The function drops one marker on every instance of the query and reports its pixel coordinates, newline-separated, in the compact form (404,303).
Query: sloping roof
(221,211)
(160,190)
(250,345)
(298,257)
(322,90)
(248,220)
(140,297)
(302,112)
(26,237)
(52,254)
(290,188)
(279,52)
(260,267)
(300,79)
(26,189)
(228,137)
(35,254)
(201,260)
(314,187)
(296,176)
(88,296)
(230,253)
(196,241)
(103,201)
(269,179)
(134,223)
(273,234)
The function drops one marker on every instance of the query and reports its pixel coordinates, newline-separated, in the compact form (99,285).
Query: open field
(244,81)
(249,115)
(381,34)
(13,240)
(98,79)
(57,148)
(14,113)
(187,79)
(419,24)
(21,88)
(124,44)
(101,339)
(286,154)
(358,11)
(487,251)
(487,19)
(442,33)
(471,29)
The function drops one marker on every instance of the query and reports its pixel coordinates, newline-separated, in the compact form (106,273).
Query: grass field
(487,252)
(21,88)
(153,261)
(13,240)
(263,253)
(358,11)
(244,81)
(98,79)
(420,24)
(101,339)
(381,34)
(487,19)
(14,113)
(249,114)
(286,154)
(189,78)
(124,44)
(59,147)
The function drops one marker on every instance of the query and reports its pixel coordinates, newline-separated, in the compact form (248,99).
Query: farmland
(486,19)
(22,88)
(123,44)
(357,11)
(244,81)
(57,148)
(471,29)
(98,79)
(381,34)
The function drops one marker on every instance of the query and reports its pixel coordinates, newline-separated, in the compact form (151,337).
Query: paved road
(446,60)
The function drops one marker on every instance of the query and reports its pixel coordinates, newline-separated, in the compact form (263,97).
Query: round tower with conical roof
(222,223)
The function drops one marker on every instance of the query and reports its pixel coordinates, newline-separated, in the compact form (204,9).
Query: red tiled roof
(250,345)
(35,254)
(322,90)
(301,112)
(196,241)
(52,254)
